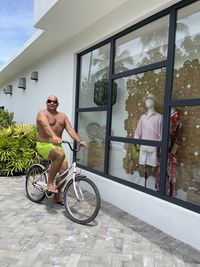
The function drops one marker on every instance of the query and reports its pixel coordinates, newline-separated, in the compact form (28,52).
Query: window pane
(129,162)
(93,72)
(144,46)
(130,104)
(183,171)
(187,54)
(91,127)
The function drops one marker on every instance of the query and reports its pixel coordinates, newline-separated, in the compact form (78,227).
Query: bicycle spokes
(82,200)
(78,190)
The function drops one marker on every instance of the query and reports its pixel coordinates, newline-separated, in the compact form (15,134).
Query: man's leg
(57,157)
(58,198)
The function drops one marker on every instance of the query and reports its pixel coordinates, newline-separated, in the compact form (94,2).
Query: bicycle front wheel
(36,181)
(82,200)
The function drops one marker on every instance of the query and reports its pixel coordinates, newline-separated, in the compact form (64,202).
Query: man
(50,126)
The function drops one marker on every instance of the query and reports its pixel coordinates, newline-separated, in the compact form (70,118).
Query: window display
(172,163)
(125,137)
(149,127)
(139,88)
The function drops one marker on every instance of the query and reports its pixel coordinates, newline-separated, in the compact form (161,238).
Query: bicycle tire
(33,173)
(85,210)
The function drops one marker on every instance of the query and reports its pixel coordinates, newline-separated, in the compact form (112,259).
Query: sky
(16,27)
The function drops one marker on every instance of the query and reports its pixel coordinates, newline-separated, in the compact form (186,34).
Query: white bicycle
(81,196)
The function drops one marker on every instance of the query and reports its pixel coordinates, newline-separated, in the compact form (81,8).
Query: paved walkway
(40,235)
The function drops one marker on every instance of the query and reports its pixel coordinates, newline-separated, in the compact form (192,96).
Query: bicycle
(81,196)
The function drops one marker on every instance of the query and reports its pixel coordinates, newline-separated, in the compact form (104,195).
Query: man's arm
(73,133)
(44,127)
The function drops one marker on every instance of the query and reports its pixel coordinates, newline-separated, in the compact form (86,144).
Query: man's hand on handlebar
(56,140)
(83,143)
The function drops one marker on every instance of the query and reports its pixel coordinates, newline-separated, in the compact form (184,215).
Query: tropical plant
(17,149)
(6,118)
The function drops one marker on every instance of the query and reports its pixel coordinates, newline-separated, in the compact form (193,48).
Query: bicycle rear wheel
(36,181)
(83,205)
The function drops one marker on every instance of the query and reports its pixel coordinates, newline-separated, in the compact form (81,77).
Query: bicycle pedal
(49,194)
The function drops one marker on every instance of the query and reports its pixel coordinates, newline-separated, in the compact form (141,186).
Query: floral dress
(172,163)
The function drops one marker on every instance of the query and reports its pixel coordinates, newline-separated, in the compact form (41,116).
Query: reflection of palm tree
(190,47)
(121,60)
(159,37)
(157,42)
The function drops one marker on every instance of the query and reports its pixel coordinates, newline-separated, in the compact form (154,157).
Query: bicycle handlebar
(69,144)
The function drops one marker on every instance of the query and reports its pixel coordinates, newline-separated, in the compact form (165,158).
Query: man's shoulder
(42,111)
(62,114)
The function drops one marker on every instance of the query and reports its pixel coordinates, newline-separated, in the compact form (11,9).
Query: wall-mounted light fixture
(8,90)
(22,83)
(34,75)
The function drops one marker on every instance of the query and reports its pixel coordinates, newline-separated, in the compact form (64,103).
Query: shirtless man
(50,126)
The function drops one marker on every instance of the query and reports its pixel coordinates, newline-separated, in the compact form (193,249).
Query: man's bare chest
(56,121)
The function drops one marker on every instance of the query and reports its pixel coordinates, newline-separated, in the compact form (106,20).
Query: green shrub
(6,118)
(17,149)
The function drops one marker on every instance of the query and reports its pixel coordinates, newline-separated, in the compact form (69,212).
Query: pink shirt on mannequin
(149,127)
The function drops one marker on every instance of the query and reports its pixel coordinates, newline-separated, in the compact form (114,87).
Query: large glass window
(144,46)
(135,147)
(187,54)
(94,70)
(132,166)
(92,128)
(132,95)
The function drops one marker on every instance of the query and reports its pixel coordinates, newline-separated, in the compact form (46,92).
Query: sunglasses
(52,101)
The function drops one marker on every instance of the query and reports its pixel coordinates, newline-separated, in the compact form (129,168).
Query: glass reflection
(131,101)
(91,127)
(187,54)
(144,46)
(94,77)
(127,162)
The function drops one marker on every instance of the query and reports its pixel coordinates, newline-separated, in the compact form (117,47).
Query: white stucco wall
(40,8)
(57,74)
(176,221)
(55,77)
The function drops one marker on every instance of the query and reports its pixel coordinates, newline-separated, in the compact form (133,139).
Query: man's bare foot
(52,189)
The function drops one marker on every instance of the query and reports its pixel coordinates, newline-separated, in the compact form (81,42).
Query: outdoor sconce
(22,83)
(8,90)
(34,75)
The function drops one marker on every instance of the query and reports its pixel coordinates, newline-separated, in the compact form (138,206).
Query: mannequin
(149,127)
(172,164)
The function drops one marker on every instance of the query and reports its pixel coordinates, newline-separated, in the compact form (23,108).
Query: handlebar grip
(65,142)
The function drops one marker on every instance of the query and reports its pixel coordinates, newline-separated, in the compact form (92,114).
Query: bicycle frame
(68,174)
(71,174)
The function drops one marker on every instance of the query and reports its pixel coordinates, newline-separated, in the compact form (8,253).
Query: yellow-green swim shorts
(44,149)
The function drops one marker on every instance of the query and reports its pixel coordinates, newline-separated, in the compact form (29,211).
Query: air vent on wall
(8,90)
(22,83)
(34,75)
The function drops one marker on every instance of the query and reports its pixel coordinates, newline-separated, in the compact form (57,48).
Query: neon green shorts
(45,148)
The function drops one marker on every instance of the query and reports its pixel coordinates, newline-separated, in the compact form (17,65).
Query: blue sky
(16,20)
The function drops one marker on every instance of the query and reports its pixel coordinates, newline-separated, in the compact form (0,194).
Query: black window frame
(168,102)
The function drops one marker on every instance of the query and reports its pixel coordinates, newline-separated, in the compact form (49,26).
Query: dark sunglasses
(52,101)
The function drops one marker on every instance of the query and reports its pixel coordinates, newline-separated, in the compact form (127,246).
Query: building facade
(127,76)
